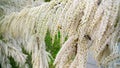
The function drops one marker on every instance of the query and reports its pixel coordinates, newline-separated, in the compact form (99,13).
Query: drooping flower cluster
(90,25)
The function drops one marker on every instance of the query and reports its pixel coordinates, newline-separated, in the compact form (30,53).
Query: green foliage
(2,38)
(47,0)
(13,63)
(52,48)
(29,57)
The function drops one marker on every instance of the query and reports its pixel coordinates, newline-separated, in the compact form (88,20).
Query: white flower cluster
(90,25)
